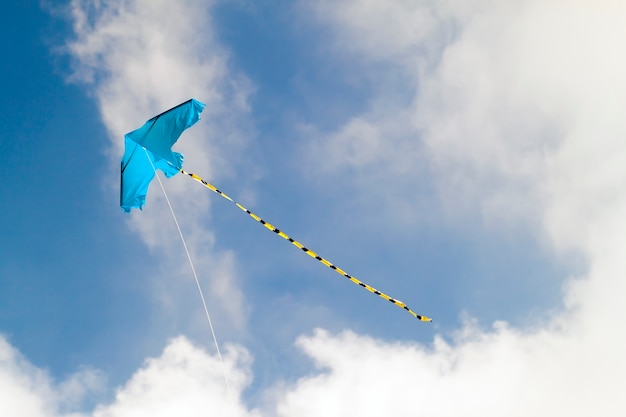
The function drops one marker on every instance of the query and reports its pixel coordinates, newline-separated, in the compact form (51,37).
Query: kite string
(195,275)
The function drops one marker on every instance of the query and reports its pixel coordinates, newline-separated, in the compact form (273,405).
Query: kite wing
(150,147)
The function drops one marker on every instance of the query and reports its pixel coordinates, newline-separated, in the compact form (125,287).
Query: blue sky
(464,159)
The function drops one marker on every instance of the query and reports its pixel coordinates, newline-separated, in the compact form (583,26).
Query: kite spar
(149,147)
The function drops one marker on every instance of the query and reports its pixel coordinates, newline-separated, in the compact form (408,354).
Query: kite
(149,148)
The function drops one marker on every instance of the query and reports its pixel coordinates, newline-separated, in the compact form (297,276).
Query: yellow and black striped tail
(306,250)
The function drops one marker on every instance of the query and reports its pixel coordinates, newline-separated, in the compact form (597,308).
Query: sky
(465,157)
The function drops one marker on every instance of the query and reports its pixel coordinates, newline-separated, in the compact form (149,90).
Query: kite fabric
(149,148)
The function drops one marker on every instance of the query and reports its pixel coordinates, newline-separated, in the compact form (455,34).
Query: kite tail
(309,252)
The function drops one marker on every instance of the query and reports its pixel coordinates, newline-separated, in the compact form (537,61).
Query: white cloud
(142,57)
(377,30)
(501,372)
(27,391)
(511,118)
(516,106)
(183,381)
(500,93)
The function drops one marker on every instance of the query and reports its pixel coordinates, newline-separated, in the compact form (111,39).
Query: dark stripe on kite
(175,107)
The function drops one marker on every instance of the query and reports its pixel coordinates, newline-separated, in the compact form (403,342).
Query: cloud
(493,116)
(28,391)
(516,109)
(184,381)
(142,57)
(501,372)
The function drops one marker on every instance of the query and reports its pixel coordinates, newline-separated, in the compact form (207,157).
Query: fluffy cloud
(140,58)
(516,106)
(27,391)
(504,371)
(184,381)
(505,97)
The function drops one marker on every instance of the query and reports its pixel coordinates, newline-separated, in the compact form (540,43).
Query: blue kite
(150,148)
